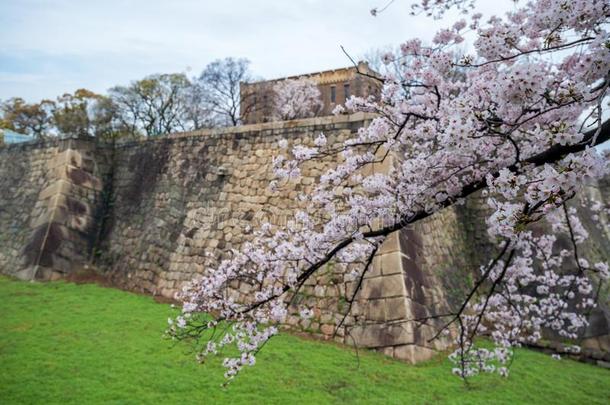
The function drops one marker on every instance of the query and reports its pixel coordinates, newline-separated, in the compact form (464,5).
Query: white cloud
(98,44)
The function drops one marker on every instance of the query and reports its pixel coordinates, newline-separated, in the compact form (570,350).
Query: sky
(49,47)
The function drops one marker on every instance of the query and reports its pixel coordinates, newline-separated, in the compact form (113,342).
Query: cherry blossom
(517,120)
(296,98)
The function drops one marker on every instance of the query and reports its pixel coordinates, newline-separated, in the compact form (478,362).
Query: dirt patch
(165,300)
(89,276)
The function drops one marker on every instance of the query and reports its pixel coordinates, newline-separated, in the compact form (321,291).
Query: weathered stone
(390,263)
(380,335)
(376,310)
(171,201)
(395,308)
(388,351)
(326,317)
(413,354)
(380,287)
(390,244)
(327,329)
(319,291)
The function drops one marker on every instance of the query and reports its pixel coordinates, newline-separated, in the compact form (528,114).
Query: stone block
(58,187)
(292,320)
(391,263)
(62,216)
(374,269)
(388,351)
(395,308)
(67,157)
(55,276)
(26,273)
(381,287)
(167,292)
(319,291)
(326,318)
(73,205)
(42,218)
(376,310)
(380,335)
(79,177)
(327,329)
(390,245)
(350,288)
(413,354)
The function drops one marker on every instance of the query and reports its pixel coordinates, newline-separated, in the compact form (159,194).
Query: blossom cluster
(296,98)
(516,119)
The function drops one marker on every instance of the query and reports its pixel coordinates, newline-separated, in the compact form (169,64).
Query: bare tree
(106,121)
(217,89)
(198,112)
(383,60)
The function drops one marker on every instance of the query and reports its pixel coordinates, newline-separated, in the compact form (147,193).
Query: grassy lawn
(68,343)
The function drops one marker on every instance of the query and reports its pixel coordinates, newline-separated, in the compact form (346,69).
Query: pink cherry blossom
(519,119)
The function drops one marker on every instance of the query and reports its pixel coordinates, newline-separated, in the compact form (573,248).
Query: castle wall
(50,198)
(174,199)
(23,175)
(148,213)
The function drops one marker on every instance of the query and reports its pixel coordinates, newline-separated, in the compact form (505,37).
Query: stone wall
(23,175)
(176,198)
(50,197)
(146,213)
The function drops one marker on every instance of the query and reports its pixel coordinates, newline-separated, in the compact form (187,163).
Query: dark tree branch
(551,155)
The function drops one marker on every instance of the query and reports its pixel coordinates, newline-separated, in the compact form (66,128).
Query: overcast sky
(48,47)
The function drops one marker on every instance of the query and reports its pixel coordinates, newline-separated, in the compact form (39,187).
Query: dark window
(333,94)
(346,90)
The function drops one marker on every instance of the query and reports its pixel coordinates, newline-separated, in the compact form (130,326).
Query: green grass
(67,343)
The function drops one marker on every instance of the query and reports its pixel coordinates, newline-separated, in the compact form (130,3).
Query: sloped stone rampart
(145,213)
(50,198)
